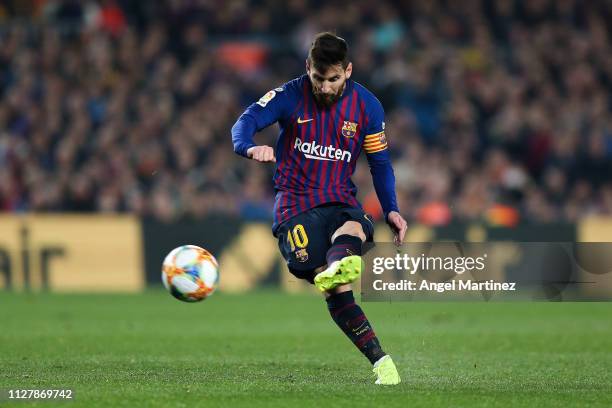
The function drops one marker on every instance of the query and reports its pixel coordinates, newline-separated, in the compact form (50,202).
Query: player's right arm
(269,109)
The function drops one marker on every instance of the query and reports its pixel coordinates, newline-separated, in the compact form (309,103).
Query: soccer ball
(190,273)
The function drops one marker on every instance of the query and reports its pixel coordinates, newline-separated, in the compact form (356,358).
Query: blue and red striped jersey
(318,147)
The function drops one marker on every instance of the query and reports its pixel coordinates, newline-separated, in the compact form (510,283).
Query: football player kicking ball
(326,120)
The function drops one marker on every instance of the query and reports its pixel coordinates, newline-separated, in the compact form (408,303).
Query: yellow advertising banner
(87,253)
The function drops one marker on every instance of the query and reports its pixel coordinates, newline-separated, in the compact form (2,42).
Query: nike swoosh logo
(300,120)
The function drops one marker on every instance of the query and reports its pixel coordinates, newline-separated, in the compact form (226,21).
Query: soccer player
(326,120)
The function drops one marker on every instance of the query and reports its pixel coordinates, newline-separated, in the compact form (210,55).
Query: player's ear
(349,70)
(307,67)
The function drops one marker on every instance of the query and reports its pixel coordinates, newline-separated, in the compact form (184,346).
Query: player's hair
(326,50)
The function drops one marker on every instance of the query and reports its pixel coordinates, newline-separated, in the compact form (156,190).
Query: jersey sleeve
(270,108)
(375,140)
(379,160)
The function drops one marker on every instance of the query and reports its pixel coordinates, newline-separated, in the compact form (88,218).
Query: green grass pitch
(274,349)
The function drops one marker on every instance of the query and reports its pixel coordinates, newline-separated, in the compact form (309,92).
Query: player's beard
(328,100)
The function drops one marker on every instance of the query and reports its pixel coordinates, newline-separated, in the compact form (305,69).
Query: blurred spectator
(497,111)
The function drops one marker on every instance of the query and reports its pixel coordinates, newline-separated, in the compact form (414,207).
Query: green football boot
(386,372)
(338,273)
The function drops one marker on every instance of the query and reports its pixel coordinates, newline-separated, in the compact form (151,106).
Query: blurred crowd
(495,110)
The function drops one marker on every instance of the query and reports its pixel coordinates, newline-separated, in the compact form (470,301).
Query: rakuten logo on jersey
(314,151)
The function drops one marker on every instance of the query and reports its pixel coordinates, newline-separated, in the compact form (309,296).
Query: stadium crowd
(496,110)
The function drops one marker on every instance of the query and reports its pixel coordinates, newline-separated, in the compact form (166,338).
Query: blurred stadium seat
(496,110)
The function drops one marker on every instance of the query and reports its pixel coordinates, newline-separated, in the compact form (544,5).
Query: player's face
(328,86)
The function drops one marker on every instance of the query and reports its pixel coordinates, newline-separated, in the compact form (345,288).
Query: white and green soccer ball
(190,273)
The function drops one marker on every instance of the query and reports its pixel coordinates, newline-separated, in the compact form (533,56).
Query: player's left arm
(377,152)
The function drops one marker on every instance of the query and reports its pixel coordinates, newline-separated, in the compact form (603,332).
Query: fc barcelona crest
(382,138)
(349,129)
(301,255)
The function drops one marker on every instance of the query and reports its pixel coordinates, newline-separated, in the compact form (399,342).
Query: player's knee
(350,228)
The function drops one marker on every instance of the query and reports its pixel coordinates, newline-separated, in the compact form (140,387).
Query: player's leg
(346,242)
(351,319)
(349,316)
(343,257)
(340,300)
(304,242)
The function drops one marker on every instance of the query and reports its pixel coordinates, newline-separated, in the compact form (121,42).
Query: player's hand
(262,154)
(398,225)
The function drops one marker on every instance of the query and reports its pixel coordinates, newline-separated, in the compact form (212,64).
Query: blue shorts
(305,239)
